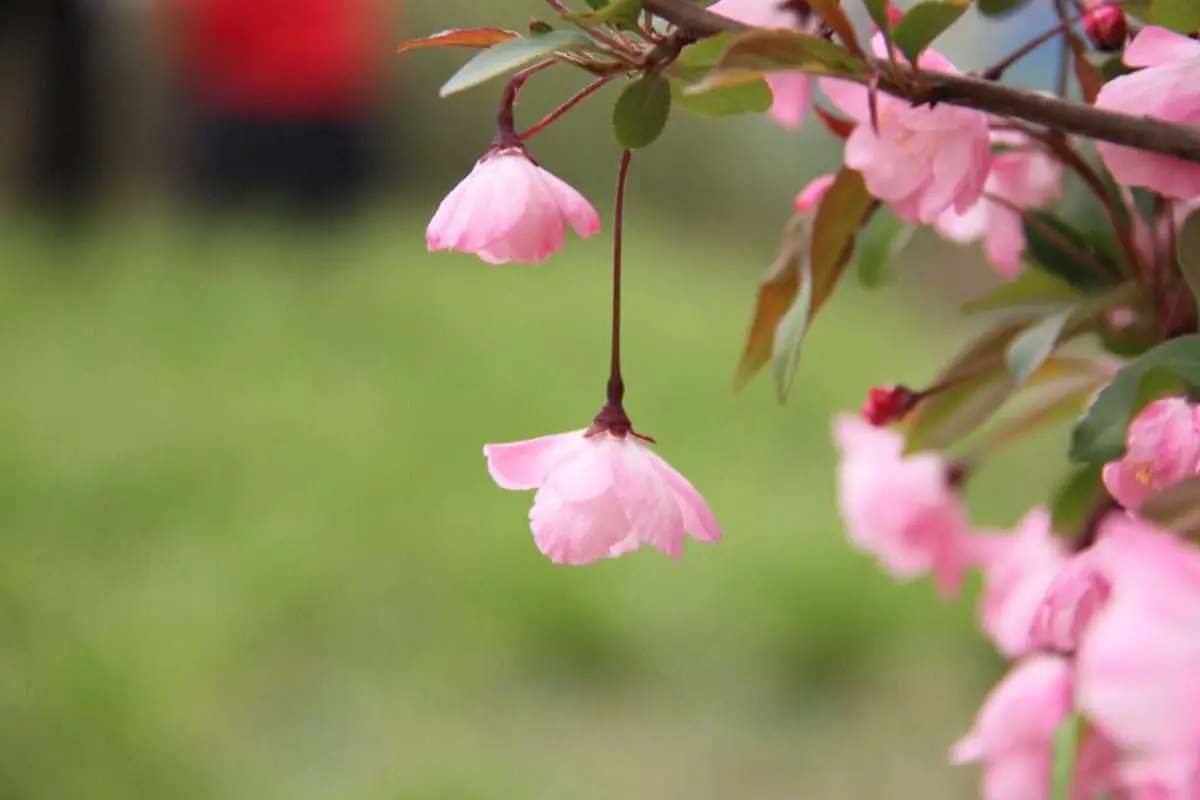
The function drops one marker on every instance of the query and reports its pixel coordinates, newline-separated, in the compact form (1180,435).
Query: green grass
(250,547)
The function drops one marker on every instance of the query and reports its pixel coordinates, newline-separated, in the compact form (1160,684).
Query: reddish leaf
(477,38)
(838,220)
(838,126)
(1087,73)
(776,294)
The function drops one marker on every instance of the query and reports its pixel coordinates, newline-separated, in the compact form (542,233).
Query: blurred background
(250,547)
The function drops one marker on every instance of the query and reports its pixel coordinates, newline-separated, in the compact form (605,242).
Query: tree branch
(924,86)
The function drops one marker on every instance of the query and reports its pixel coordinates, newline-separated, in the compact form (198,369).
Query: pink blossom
(1162,448)
(1018,571)
(1013,735)
(1168,88)
(509,209)
(901,509)
(791,91)
(1078,592)
(601,495)
(922,161)
(1024,176)
(810,196)
(1138,663)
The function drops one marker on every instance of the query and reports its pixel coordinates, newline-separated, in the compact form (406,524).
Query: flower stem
(506,129)
(616,384)
(571,102)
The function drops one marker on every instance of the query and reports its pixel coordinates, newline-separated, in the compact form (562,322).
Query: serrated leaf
(764,51)
(998,8)
(742,97)
(641,111)
(1178,15)
(923,23)
(1030,349)
(1075,498)
(878,244)
(831,13)
(1100,435)
(513,54)
(462,37)
(1059,249)
(1067,738)
(1032,287)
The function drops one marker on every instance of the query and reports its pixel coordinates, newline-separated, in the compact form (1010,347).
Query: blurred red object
(279,58)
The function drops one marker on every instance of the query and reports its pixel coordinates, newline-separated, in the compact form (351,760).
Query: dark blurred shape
(281,99)
(65,158)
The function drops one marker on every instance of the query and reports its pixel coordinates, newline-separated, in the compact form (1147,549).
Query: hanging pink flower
(1162,448)
(509,209)
(601,495)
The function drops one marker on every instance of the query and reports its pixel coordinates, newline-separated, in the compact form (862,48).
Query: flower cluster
(1094,597)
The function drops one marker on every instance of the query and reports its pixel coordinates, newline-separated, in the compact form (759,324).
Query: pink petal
(524,465)
(1155,45)
(1004,241)
(698,520)
(572,205)
(577,533)
(647,500)
(848,97)
(792,93)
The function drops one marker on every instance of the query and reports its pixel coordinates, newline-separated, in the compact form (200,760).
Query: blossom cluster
(1099,616)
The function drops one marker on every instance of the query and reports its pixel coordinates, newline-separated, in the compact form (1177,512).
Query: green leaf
(1067,738)
(616,12)
(747,97)
(1100,435)
(923,23)
(769,50)
(1178,15)
(1176,508)
(1059,249)
(596,5)
(1031,288)
(1075,498)
(513,54)
(998,8)
(1030,349)
(1188,244)
(879,14)
(789,336)
(878,244)
(641,111)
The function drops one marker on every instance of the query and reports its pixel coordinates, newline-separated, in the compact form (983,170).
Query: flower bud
(888,404)
(1105,25)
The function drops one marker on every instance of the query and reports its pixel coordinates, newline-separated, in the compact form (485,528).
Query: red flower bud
(888,404)
(1105,25)
(894,14)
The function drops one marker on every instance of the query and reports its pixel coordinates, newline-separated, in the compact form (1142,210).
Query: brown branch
(924,86)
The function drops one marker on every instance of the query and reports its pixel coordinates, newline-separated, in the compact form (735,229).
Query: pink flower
(1013,735)
(509,209)
(1162,448)
(1168,89)
(1078,592)
(922,161)
(601,496)
(1139,661)
(791,91)
(1023,175)
(1018,570)
(810,196)
(901,509)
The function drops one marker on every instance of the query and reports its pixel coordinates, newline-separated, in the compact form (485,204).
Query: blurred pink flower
(1139,661)
(1018,570)
(1168,88)
(1162,448)
(810,196)
(1071,602)
(601,495)
(791,91)
(1013,735)
(901,509)
(1023,175)
(509,209)
(922,161)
